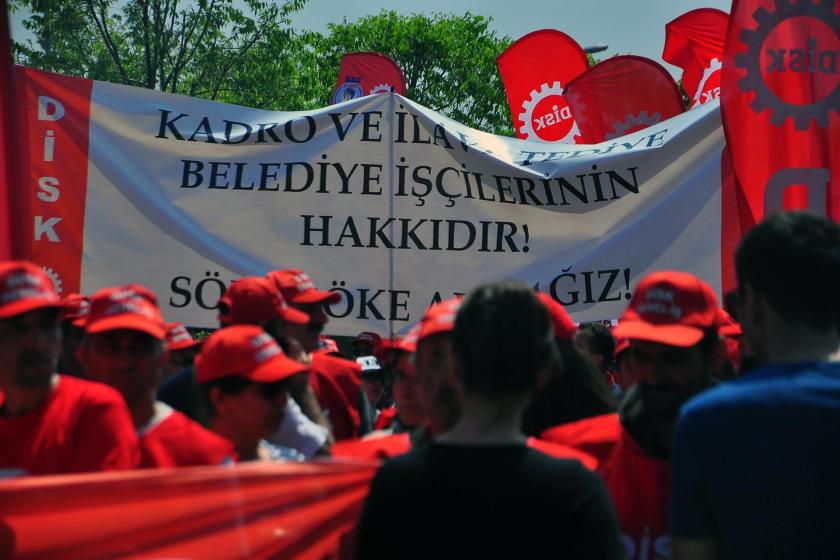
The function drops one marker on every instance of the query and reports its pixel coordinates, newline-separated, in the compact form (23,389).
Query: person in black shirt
(478,490)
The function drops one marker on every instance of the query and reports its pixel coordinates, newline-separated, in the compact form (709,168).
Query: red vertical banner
(8,170)
(622,95)
(55,111)
(367,73)
(780,97)
(536,70)
(694,42)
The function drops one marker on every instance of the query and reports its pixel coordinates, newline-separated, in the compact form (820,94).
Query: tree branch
(109,43)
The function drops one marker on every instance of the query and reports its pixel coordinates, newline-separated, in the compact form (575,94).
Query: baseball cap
(328,345)
(253,300)
(178,337)
(130,306)
(76,309)
(406,343)
(297,287)
(564,327)
(439,318)
(727,325)
(244,351)
(669,307)
(25,287)
(368,337)
(369,364)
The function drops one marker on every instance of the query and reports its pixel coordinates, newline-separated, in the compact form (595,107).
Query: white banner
(389,203)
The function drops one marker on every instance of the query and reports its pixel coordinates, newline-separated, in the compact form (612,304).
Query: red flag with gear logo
(366,73)
(694,42)
(780,101)
(535,70)
(622,95)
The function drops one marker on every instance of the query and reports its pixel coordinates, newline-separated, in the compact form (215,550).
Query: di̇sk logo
(791,62)
(633,123)
(709,86)
(381,88)
(350,89)
(547,116)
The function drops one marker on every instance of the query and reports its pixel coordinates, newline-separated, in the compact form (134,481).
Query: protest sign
(389,203)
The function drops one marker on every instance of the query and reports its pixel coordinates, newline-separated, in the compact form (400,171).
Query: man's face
(583,340)
(257,411)
(129,361)
(438,387)
(30,345)
(668,375)
(374,388)
(307,335)
(407,392)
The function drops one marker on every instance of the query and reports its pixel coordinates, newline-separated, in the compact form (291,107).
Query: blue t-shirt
(756,464)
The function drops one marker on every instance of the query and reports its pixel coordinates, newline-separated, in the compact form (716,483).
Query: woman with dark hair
(478,490)
(574,389)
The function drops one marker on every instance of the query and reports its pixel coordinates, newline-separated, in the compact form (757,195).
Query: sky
(627,26)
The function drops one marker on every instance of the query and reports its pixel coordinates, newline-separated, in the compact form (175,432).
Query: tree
(449,62)
(197,48)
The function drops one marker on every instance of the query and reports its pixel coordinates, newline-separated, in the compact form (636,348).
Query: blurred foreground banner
(387,202)
(283,510)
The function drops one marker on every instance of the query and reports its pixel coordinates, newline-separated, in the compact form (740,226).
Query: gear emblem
(55,277)
(750,61)
(714,66)
(380,88)
(633,123)
(526,117)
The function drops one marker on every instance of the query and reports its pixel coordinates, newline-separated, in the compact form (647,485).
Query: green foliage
(214,50)
(449,62)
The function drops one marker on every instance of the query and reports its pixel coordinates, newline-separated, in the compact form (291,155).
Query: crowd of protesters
(686,431)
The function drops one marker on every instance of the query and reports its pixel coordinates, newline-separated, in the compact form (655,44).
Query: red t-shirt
(377,447)
(597,435)
(82,426)
(173,440)
(337,384)
(385,418)
(639,487)
(638,484)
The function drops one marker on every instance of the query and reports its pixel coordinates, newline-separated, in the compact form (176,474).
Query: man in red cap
(181,349)
(675,352)
(73,316)
(336,381)
(51,423)
(245,378)
(123,348)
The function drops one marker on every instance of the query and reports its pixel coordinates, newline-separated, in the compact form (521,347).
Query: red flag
(535,71)
(365,73)
(8,172)
(258,510)
(621,95)
(694,42)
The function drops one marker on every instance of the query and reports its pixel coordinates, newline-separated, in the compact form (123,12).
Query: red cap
(76,309)
(179,338)
(727,325)
(406,343)
(621,344)
(25,287)
(368,337)
(296,287)
(668,307)
(439,318)
(328,345)
(131,306)
(254,300)
(564,327)
(246,351)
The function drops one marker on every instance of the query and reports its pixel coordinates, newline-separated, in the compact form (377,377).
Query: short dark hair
(603,341)
(793,259)
(502,339)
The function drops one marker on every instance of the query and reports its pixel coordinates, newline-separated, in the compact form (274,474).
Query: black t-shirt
(448,501)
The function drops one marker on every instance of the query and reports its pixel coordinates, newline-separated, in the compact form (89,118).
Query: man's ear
(218,399)
(752,306)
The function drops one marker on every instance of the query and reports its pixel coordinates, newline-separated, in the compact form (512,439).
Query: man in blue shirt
(756,463)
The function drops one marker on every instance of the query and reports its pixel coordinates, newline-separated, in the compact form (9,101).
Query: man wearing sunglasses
(123,348)
(245,377)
